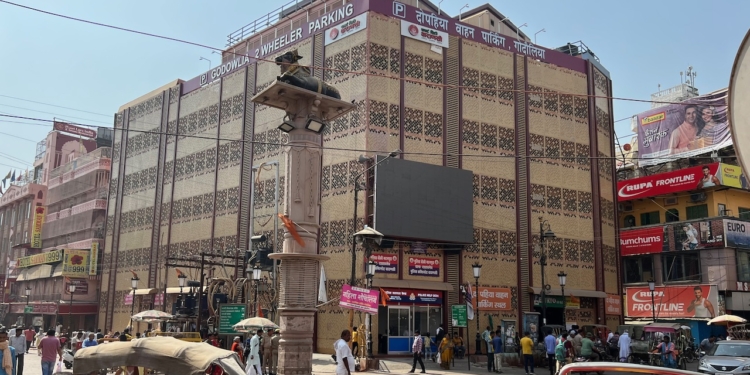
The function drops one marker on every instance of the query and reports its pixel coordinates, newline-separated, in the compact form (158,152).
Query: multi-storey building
(533,124)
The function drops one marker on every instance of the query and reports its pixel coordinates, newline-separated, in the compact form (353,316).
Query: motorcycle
(67,358)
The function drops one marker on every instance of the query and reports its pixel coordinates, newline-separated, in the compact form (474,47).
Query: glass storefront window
(683,267)
(398,322)
(743,265)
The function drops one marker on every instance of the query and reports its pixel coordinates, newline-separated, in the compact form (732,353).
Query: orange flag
(260,311)
(383,297)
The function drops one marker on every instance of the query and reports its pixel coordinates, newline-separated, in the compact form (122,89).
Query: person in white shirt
(253,360)
(344,357)
(18,342)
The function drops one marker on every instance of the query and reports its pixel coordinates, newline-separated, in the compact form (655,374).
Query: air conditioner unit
(625,207)
(698,197)
(671,201)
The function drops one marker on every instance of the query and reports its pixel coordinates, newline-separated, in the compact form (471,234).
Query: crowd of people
(259,353)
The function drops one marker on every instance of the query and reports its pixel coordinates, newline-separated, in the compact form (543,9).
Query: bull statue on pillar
(298,75)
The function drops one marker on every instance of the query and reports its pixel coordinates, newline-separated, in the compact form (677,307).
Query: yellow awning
(38,272)
(143,292)
(22,275)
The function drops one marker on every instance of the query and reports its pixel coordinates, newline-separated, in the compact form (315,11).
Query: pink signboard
(365,300)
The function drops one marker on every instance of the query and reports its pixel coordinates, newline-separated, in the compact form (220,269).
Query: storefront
(407,310)
(44,315)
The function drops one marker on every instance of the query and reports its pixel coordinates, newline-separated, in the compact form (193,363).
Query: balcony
(94,160)
(96,204)
(67,223)
(77,240)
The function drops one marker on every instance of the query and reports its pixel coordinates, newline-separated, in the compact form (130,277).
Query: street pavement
(323,364)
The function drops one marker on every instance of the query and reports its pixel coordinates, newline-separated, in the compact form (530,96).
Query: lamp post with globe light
(563,277)
(477,268)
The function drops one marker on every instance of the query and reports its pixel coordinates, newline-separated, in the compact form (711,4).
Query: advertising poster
(422,266)
(94,259)
(43,258)
(693,178)
(385,263)
(360,299)
(76,263)
(695,126)
(731,175)
(684,301)
(346,29)
(493,299)
(531,325)
(696,235)
(641,241)
(36,227)
(737,234)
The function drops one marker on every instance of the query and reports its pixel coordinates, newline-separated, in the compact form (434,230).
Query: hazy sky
(84,67)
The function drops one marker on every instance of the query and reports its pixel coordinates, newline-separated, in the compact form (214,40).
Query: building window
(650,218)
(638,269)
(672,215)
(629,221)
(28,209)
(696,212)
(744,213)
(743,265)
(683,267)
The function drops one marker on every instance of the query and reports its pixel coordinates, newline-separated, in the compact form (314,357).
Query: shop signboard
(732,175)
(429,297)
(425,34)
(683,301)
(493,299)
(360,299)
(73,129)
(346,29)
(128,300)
(693,178)
(459,315)
(423,266)
(385,263)
(76,263)
(696,126)
(43,258)
(613,304)
(571,302)
(641,241)
(229,315)
(36,227)
(94,259)
(737,234)
(82,285)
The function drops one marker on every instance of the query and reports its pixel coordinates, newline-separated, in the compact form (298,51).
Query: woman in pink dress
(684,135)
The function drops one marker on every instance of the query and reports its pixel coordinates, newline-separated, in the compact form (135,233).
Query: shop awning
(22,275)
(58,270)
(143,292)
(176,289)
(38,272)
(413,284)
(570,292)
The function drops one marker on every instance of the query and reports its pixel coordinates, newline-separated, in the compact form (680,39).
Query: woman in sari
(446,351)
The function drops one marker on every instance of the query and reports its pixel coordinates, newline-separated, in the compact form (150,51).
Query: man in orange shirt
(30,334)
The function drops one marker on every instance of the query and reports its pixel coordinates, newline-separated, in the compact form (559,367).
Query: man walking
(527,348)
(49,346)
(487,339)
(6,351)
(253,360)
(29,333)
(267,352)
(18,342)
(491,353)
(275,349)
(550,344)
(416,350)
(497,344)
(345,359)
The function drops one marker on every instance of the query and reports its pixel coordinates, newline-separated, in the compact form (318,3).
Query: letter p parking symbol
(399,10)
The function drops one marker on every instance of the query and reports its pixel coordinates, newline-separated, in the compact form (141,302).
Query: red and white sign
(685,301)
(641,241)
(421,266)
(345,29)
(425,34)
(82,285)
(77,130)
(385,263)
(687,179)
(613,304)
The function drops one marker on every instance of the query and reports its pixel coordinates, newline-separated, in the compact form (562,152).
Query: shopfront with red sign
(404,310)
(642,241)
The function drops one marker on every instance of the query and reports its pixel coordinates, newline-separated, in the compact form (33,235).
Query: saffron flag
(469,305)
(383,297)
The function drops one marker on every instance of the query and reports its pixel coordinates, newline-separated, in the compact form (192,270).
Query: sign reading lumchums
(421,266)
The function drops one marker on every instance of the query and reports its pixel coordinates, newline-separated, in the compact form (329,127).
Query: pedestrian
(49,346)
(624,345)
(18,342)
(275,349)
(7,355)
(487,338)
(612,343)
(527,348)
(267,362)
(577,341)
(91,341)
(550,344)
(416,351)
(667,351)
(497,344)
(29,334)
(345,359)
(237,348)
(355,342)
(99,334)
(491,353)
(253,360)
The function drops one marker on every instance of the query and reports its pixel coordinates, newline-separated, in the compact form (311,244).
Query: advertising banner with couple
(695,126)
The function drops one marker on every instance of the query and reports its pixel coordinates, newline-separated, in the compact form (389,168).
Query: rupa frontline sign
(683,301)
(687,179)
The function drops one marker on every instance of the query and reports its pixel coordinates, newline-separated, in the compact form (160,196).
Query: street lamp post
(545,233)
(477,268)
(652,287)
(71,289)
(134,287)
(371,267)
(256,278)
(28,294)
(563,277)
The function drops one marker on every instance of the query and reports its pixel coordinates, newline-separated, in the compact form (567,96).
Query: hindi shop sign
(425,34)
(641,241)
(683,301)
(36,229)
(613,304)
(493,299)
(360,299)
(72,129)
(346,29)
(421,266)
(229,315)
(385,263)
(699,177)
(425,297)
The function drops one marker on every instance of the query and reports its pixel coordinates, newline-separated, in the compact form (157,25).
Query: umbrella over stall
(723,320)
(152,316)
(251,324)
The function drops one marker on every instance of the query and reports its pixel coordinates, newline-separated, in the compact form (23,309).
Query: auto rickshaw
(679,334)
(166,355)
